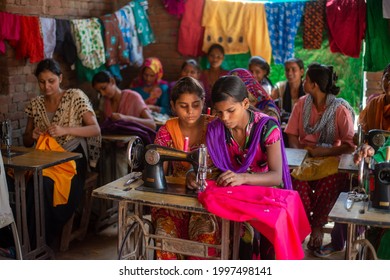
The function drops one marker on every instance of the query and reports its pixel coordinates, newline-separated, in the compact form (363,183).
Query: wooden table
(139,226)
(28,159)
(295,157)
(369,217)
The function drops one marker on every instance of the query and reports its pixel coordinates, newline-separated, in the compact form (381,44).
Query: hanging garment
(313,24)
(190,38)
(144,30)
(238,27)
(175,7)
(283,21)
(87,34)
(377,39)
(9,29)
(116,51)
(126,23)
(346,22)
(30,44)
(65,46)
(48,26)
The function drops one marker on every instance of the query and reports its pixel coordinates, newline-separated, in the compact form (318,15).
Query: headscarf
(255,90)
(153,63)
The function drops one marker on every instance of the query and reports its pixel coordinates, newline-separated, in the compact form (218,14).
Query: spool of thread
(387,153)
(186,144)
(208,111)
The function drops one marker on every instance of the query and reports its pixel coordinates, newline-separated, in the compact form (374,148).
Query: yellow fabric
(315,168)
(238,27)
(61,174)
(174,130)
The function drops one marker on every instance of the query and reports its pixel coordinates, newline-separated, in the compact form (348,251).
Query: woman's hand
(155,108)
(363,152)
(229,178)
(36,133)
(191,180)
(57,131)
(317,151)
(116,116)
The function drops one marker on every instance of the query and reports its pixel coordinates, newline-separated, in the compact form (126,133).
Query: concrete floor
(102,246)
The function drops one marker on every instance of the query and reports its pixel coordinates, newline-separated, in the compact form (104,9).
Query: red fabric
(276,213)
(31,41)
(190,39)
(9,28)
(346,21)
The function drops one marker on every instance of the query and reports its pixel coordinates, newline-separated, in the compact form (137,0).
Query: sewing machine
(152,158)
(378,192)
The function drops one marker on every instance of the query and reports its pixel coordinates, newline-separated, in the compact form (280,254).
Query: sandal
(326,251)
(315,241)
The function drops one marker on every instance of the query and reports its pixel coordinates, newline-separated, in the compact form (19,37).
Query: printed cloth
(61,174)
(278,214)
(144,30)
(9,28)
(224,23)
(126,24)
(313,24)
(48,26)
(87,34)
(283,21)
(346,20)
(64,41)
(30,44)
(190,37)
(115,49)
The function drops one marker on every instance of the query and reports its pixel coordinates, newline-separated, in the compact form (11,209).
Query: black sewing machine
(379,192)
(152,158)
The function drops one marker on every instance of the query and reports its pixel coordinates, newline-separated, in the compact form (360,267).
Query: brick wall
(17,82)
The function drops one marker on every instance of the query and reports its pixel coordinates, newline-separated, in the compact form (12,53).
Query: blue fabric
(283,21)
(162,101)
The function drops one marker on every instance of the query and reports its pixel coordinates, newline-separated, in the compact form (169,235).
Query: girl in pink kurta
(322,124)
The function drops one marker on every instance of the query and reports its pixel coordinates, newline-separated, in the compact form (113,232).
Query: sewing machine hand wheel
(135,153)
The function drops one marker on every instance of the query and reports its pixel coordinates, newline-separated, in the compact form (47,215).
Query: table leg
(351,236)
(225,242)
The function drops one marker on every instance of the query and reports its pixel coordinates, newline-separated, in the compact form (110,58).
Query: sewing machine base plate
(176,189)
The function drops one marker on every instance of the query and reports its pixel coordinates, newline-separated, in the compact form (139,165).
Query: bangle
(189,170)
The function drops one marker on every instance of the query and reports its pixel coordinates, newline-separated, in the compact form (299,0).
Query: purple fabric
(219,152)
(128,128)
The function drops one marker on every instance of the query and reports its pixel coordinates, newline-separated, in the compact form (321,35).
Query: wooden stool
(71,231)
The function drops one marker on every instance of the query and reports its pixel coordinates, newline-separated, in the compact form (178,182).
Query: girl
(248,137)
(215,56)
(189,68)
(322,124)
(151,87)
(260,69)
(187,101)
(121,105)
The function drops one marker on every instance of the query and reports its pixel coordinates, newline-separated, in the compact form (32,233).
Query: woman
(248,137)
(288,92)
(322,124)
(124,106)
(151,87)
(258,97)
(215,57)
(65,116)
(376,115)
(187,101)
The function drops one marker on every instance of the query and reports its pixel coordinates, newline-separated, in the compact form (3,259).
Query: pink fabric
(131,104)
(276,213)
(190,39)
(344,125)
(346,21)
(9,28)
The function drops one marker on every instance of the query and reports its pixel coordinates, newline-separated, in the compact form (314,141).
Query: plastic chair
(6,215)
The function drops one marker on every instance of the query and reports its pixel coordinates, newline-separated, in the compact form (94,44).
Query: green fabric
(380,155)
(384,246)
(377,54)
